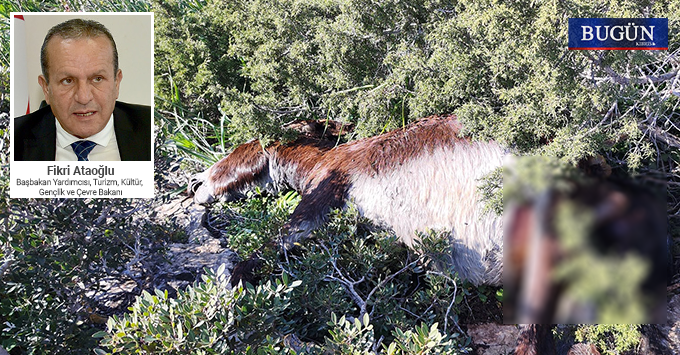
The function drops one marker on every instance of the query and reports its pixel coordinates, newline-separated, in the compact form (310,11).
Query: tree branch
(346,282)
(659,134)
(349,284)
(615,77)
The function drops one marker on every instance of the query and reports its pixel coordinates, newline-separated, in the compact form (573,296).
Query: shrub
(212,318)
(610,338)
(208,318)
(426,340)
(502,68)
(347,337)
(349,267)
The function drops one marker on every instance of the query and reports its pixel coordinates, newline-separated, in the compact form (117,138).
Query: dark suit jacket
(35,134)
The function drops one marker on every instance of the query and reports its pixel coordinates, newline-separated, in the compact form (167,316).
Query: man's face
(83,87)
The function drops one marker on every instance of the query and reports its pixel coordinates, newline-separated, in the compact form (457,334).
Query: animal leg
(329,193)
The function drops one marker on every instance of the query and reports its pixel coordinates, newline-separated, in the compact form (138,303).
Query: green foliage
(76,5)
(212,318)
(208,318)
(55,253)
(349,267)
(357,338)
(346,337)
(503,68)
(529,176)
(612,339)
(425,340)
(491,191)
(347,242)
(196,74)
(345,270)
(191,138)
(249,224)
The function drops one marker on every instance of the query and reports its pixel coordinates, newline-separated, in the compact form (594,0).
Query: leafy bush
(425,340)
(357,337)
(349,267)
(610,338)
(60,253)
(208,318)
(248,225)
(348,337)
(213,318)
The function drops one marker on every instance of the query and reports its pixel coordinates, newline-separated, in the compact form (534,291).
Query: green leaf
(100,334)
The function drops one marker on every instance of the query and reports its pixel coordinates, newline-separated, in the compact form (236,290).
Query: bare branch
(350,284)
(608,115)
(657,133)
(453,301)
(346,282)
(390,277)
(615,77)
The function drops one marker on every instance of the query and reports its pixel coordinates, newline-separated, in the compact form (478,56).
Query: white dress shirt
(105,150)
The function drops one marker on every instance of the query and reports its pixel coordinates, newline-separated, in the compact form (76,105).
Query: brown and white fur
(423,177)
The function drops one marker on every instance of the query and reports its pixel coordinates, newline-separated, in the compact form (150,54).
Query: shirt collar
(103,137)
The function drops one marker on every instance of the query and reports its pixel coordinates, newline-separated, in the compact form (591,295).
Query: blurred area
(583,246)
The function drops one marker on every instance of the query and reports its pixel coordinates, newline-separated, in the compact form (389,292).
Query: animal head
(250,165)
(231,177)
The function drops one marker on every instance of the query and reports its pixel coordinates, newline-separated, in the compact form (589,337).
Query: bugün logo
(629,32)
(618,33)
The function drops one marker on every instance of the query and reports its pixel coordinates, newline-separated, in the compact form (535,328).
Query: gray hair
(76,28)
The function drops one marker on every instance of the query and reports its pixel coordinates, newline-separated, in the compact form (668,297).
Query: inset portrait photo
(82,92)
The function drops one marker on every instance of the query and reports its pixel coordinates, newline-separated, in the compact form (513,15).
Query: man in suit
(83,121)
